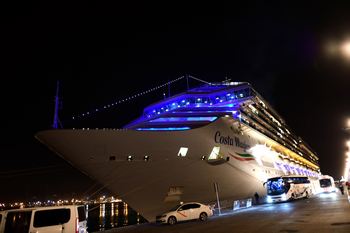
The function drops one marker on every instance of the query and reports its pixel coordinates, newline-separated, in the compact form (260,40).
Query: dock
(322,213)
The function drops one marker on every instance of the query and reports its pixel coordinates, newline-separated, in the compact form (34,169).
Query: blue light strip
(217,99)
(164,129)
(187,101)
(182,119)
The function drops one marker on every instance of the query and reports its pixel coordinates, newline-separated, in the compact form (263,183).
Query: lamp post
(347,154)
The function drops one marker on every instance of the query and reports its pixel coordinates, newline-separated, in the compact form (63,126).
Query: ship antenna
(169,83)
(188,85)
(56,119)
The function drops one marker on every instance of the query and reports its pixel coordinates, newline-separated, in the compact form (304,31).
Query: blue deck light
(202,100)
(164,129)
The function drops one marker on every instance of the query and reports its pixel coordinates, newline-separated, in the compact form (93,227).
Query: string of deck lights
(126,99)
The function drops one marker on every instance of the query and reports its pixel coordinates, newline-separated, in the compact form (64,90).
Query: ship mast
(56,120)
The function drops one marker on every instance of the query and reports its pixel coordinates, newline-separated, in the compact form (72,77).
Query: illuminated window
(146,158)
(182,152)
(215,153)
(129,158)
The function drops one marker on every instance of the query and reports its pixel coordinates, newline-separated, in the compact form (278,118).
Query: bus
(327,184)
(289,187)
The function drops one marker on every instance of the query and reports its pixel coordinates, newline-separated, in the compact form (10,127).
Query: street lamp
(347,126)
(338,48)
(345,49)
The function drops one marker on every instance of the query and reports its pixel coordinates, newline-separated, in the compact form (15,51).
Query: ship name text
(227,140)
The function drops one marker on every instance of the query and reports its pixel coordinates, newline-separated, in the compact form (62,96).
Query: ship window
(182,152)
(146,158)
(215,153)
(129,158)
(112,158)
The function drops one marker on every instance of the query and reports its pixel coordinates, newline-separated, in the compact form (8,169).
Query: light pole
(347,154)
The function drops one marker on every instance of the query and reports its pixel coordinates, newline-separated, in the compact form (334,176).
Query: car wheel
(172,220)
(307,194)
(293,197)
(203,216)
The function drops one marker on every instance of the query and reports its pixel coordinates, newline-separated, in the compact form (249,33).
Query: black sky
(103,53)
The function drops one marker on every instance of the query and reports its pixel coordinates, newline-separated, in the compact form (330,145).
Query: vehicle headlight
(269,199)
(284,197)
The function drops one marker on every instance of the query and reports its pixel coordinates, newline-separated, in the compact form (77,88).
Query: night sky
(102,53)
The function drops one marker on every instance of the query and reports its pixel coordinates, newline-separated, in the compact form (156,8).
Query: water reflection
(105,216)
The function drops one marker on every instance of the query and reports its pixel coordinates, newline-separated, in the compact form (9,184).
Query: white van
(54,219)
(1,220)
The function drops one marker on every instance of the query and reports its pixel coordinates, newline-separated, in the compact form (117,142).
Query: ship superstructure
(223,133)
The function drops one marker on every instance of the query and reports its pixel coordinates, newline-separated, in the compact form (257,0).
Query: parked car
(53,219)
(185,212)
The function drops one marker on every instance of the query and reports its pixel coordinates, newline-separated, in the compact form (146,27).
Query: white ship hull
(150,187)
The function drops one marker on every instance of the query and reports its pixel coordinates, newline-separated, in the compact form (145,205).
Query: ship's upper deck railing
(214,87)
(205,96)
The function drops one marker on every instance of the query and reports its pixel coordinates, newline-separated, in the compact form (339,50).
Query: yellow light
(345,48)
(348,144)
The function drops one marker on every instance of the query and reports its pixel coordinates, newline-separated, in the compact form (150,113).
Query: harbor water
(104,216)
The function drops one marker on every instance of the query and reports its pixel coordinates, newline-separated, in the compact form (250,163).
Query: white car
(184,212)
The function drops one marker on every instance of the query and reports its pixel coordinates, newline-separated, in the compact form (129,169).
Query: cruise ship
(222,135)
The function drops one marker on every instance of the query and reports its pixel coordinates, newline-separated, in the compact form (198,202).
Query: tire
(203,217)
(172,220)
(307,195)
(293,197)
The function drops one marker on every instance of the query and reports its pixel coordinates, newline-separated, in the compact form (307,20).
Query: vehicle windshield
(277,186)
(325,183)
(175,208)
